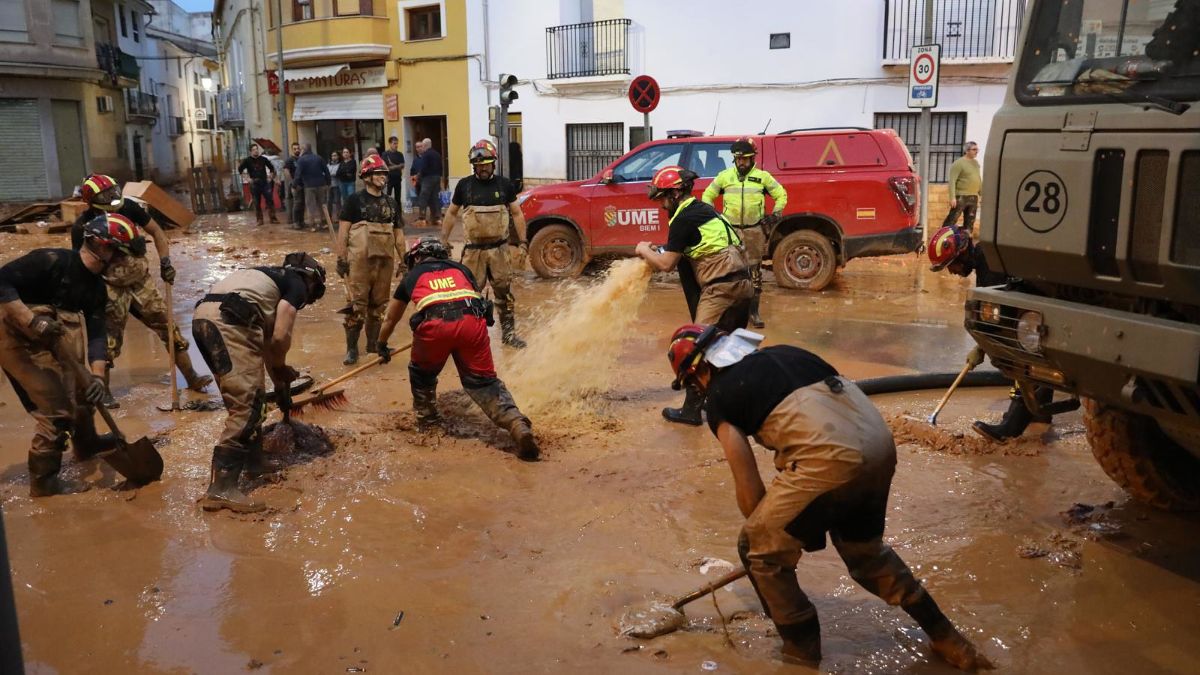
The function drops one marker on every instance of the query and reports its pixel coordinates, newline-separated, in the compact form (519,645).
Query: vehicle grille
(1001,338)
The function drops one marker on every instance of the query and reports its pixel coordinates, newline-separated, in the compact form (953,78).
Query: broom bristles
(333,400)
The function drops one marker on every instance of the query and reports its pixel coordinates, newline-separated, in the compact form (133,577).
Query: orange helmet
(483,152)
(671,178)
(744,147)
(101,191)
(948,243)
(371,164)
(687,349)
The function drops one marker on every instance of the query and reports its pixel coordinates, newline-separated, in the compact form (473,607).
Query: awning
(364,105)
(295,74)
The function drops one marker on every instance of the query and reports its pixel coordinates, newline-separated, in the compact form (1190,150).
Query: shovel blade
(651,621)
(139,462)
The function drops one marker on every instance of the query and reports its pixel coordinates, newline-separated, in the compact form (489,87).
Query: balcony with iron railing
(969,31)
(332,31)
(120,68)
(594,48)
(229,108)
(140,104)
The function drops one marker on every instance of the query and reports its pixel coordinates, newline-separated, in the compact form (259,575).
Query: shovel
(660,619)
(973,359)
(139,462)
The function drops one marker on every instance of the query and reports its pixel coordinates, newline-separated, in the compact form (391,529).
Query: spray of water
(572,356)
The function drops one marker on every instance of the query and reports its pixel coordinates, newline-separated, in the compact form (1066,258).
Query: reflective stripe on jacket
(715,234)
(744,196)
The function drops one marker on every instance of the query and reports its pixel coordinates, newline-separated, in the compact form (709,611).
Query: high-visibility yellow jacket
(744,196)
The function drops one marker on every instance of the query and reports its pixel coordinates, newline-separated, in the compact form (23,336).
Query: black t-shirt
(394,157)
(404,291)
(984,276)
(471,191)
(431,164)
(745,393)
(684,231)
(363,205)
(257,167)
(347,170)
(290,283)
(58,277)
(129,208)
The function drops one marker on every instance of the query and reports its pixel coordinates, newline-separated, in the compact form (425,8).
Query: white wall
(709,58)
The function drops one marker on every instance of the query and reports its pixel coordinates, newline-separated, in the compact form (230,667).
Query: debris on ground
(908,429)
(284,438)
(1058,549)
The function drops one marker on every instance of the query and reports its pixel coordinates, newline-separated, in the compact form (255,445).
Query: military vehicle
(1092,198)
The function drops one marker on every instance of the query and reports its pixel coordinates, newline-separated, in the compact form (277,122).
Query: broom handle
(366,366)
(709,588)
(168,288)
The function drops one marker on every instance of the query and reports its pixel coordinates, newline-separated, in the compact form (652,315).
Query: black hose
(916,381)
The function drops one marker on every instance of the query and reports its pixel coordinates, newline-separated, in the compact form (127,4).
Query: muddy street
(411,551)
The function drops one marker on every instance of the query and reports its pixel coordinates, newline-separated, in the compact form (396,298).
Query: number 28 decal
(1041,200)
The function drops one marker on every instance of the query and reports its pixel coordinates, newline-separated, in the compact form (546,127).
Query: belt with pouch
(484,245)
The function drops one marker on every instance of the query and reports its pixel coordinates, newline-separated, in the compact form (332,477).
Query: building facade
(62,96)
(810,65)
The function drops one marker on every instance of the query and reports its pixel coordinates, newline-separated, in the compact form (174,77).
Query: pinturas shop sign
(350,78)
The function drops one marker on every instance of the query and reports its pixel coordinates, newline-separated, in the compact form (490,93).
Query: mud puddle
(410,552)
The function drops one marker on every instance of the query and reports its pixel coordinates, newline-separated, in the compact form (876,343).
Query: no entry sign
(924,65)
(643,93)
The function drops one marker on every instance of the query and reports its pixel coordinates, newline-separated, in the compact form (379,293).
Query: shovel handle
(973,360)
(347,375)
(82,374)
(709,588)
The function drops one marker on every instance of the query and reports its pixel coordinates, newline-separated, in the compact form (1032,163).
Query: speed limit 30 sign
(924,65)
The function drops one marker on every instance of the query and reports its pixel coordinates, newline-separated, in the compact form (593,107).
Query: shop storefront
(339,107)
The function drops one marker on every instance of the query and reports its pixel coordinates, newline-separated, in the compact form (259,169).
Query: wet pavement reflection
(407,551)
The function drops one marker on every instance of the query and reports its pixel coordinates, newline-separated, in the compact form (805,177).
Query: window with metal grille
(948,134)
(591,147)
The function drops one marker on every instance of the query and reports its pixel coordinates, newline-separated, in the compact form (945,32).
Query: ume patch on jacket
(444,285)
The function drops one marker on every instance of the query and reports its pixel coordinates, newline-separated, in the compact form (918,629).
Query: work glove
(46,330)
(770,221)
(385,352)
(166,271)
(343,267)
(95,390)
(401,270)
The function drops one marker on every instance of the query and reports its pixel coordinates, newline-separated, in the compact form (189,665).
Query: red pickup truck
(851,193)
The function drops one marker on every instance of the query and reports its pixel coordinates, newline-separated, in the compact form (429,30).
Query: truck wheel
(804,259)
(556,251)
(1139,457)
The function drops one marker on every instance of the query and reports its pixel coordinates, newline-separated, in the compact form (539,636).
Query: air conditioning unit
(104,104)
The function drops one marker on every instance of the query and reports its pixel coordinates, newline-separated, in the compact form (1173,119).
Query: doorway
(139,165)
(68,135)
(358,135)
(432,127)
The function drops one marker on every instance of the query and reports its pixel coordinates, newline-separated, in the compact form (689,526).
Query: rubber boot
(257,463)
(373,327)
(497,403)
(351,346)
(944,638)
(1012,425)
(195,381)
(223,491)
(689,414)
(508,331)
(425,406)
(801,642)
(43,476)
(108,401)
(755,319)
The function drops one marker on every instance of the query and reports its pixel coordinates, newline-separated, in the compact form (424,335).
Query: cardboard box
(171,209)
(71,208)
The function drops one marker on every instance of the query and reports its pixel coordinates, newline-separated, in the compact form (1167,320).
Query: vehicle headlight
(989,312)
(1029,331)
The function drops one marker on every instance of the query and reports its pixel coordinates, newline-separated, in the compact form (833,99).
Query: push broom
(326,397)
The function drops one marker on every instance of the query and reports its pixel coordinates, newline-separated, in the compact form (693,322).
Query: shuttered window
(21,130)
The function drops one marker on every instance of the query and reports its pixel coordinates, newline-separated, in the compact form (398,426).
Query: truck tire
(556,252)
(804,260)
(1143,460)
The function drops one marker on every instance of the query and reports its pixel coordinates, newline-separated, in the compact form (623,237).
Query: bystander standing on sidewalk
(965,181)
(346,172)
(335,184)
(395,163)
(313,177)
(258,172)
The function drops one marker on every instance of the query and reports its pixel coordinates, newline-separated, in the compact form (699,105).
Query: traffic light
(507,93)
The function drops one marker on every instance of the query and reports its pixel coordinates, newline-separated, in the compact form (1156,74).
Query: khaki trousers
(492,266)
(234,354)
(836,457)
(369,281)
(725,304)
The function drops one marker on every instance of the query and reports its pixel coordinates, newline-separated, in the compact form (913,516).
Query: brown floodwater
(420,552)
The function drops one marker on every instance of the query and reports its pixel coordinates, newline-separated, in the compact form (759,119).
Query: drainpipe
(282,82)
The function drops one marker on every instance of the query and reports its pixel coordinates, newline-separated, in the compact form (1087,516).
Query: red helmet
(948,243)
(371,164)
(100,186)
(483,152)
(744,147)
(112,229)
(671,178)
(687,349)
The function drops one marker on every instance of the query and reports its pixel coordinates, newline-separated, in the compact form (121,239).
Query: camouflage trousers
(492,266)
(140,298)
